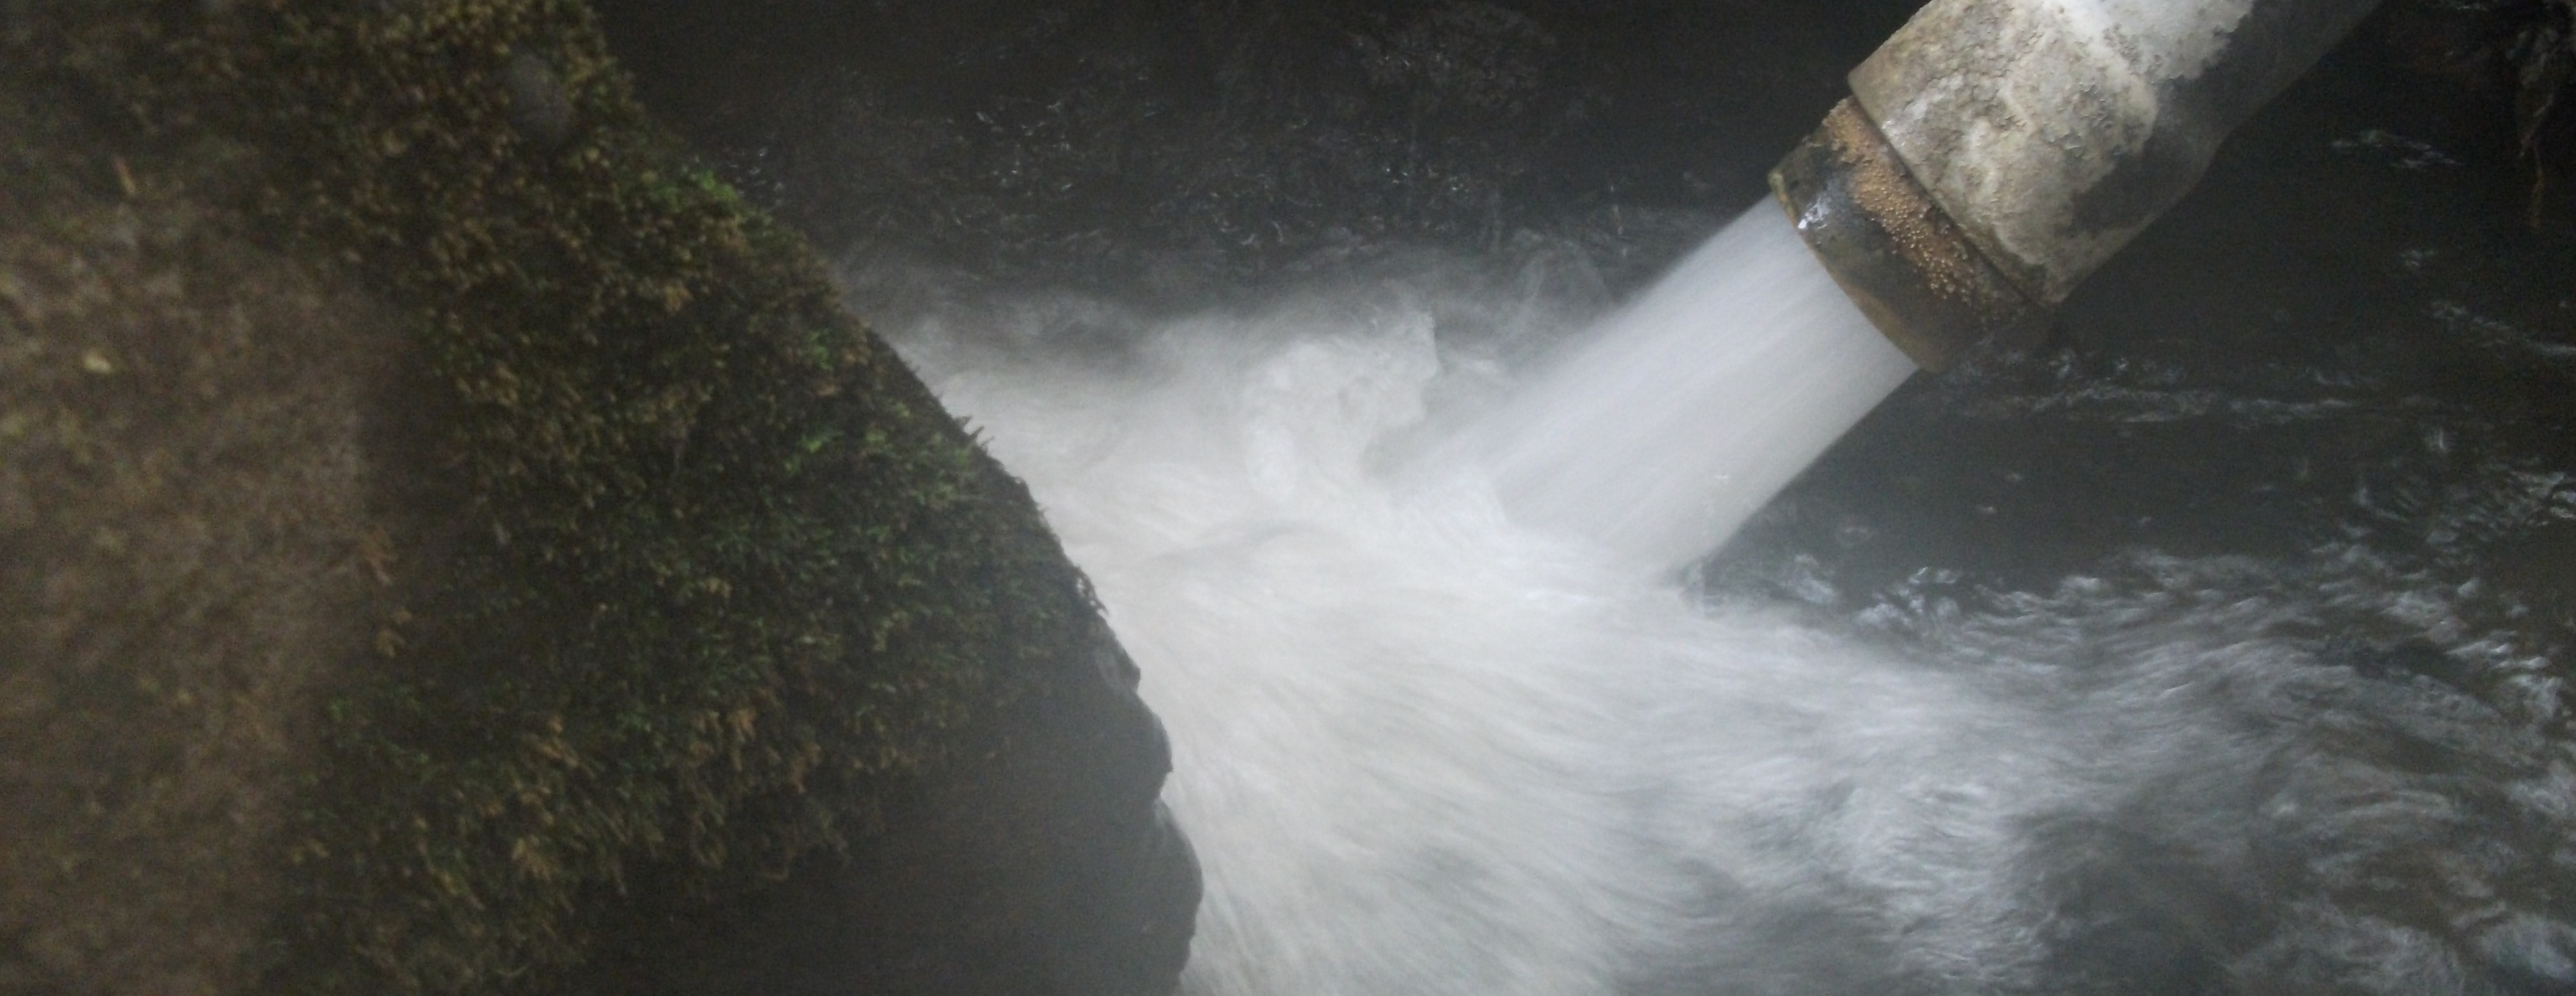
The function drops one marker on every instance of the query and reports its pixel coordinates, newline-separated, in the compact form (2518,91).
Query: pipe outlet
(2044,133)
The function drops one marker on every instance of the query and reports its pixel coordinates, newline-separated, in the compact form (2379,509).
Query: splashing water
(1440,728)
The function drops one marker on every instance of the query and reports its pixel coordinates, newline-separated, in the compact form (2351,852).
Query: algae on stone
(681,571)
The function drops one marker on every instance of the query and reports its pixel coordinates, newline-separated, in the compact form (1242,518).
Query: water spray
(1994,153)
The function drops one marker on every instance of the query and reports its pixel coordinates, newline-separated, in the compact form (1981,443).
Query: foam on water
(1426,747)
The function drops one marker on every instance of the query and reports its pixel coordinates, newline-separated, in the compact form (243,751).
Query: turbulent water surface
(1450,724)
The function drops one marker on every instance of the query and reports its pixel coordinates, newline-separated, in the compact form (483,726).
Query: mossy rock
(581,570)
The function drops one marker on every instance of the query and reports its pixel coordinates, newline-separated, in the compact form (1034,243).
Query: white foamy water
(1427,747)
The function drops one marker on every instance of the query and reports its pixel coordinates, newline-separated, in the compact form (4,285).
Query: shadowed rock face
(1045,868)
(1193,147)
(187,548)
(449,543)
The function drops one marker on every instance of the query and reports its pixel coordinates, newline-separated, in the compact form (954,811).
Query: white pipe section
(2053,131)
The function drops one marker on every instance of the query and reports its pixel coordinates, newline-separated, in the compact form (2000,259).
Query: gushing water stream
(1443,725)
(1694,406)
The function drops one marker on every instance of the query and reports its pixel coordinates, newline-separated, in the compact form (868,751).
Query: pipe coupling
(1894,251)
(1996,152)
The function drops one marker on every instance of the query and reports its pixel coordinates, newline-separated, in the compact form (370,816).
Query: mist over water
(1443,724)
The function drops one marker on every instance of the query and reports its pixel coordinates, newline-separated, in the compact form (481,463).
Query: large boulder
(449,543)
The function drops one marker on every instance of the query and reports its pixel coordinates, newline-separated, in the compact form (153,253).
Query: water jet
(1992,155)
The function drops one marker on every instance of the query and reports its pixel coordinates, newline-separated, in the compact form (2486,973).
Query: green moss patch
(691,570)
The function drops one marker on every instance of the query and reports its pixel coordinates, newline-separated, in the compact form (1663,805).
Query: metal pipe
(1994,153)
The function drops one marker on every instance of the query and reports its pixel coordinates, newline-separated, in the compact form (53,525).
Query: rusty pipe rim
(1894,252)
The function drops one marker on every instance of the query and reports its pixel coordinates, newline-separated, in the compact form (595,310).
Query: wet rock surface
(539,107)
(447,540)
(1043,866)
(186,541)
